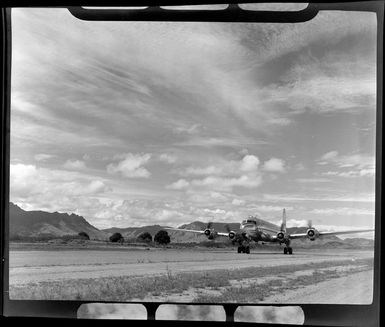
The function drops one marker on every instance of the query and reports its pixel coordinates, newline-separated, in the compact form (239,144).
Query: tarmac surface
(34,266)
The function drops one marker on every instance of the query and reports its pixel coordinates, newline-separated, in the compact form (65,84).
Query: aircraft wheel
(285,250)
(247,249)
(239,249)
(290,250)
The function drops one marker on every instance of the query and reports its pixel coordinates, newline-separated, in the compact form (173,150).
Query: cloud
(43,156)
(355,197)
(354,165)
(131,166)
(343,211)
(193,129)
(351,173)
(347,161)
(74,165)
(196,171)
(58,190)
(249,163)
(178,185)
(227,184)
(312,180)
(168,158)
(274,165)
(238,202)
(23,178)
(329,155)
(270,208)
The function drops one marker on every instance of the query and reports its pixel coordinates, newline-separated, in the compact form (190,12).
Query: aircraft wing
(300,235)
(186,230)
(195,231)
(268,229)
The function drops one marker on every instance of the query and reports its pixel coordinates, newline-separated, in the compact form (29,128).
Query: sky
(138,123)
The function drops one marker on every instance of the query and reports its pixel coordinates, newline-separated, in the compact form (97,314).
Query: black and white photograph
(193,162)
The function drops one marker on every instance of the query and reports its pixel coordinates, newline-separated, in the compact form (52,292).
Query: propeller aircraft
(258,230)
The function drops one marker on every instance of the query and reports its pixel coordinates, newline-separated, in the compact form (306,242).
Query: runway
(42,266)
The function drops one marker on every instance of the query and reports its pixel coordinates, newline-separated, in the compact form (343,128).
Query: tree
(162,237)
(145,237)
(84,235)
(116,237)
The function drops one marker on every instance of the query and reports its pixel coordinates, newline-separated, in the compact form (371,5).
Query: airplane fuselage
(256,234)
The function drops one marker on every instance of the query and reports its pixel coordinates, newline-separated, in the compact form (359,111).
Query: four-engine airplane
(255,229)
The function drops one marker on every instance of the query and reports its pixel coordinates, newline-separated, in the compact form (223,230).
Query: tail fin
(283,225)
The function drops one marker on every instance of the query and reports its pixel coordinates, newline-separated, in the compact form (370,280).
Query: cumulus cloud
(131,166)
(249,163)
(274,165)
(23,178)
(48,189)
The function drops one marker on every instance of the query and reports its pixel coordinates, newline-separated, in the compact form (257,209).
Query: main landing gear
(244,249)
(288,250)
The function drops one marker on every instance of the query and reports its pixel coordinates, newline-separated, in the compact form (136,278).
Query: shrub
(116,237)
(84,235)
(162,237)
(145,237)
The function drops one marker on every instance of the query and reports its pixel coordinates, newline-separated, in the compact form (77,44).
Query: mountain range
(41,224)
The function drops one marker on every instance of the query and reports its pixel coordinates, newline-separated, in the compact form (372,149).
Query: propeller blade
(310,223)
(209,225)
(227,228)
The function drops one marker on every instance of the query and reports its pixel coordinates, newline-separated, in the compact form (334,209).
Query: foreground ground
(190,275)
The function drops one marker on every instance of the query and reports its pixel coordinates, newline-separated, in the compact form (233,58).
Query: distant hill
(40,223)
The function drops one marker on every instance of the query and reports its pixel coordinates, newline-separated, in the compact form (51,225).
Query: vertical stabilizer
(283,225)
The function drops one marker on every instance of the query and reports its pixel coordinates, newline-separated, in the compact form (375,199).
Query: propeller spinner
(311,232)
(231,233)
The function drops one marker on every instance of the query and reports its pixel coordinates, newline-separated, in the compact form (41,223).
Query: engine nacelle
(311,234)
(231,235)
(280,236)
(210,233)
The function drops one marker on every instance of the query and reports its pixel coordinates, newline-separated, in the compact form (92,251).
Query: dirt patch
(354,288)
